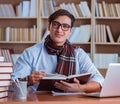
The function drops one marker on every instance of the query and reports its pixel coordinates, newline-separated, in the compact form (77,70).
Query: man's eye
(55,24)
(66,26)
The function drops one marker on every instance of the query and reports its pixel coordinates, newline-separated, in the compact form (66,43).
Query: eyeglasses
(64,26)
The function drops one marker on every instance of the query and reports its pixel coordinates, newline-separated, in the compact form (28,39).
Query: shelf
(18,22)
(18,42)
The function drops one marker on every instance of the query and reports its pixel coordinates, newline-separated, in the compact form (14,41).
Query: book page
(55,76)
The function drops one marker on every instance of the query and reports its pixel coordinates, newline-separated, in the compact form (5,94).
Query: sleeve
(23,67)
(87,66)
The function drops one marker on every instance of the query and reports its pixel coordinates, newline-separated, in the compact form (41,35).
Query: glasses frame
(57,25)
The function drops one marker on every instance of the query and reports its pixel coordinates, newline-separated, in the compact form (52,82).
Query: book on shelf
(26,8)
(3,94)
(117,9)
(7,10)
(100,8)
(6,53)
(118,40)
(110,36)
(82,10)
(86,8)
(74,9)
(96,9)
(83,32)
(102,60)
(47,83)
(78,10)
(33,8)
(104,8)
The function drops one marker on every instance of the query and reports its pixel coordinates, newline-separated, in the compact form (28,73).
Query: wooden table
(48,98)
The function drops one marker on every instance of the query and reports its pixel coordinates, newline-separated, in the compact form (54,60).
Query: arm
(77,87)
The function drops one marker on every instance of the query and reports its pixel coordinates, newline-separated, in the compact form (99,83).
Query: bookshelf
(20,26)
(109,18)
(113,22)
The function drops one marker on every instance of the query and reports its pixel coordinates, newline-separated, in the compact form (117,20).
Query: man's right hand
(35,77)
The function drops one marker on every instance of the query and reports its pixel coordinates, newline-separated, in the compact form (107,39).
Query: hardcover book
(47,83)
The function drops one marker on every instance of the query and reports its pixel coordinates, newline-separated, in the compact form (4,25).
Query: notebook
(111,86)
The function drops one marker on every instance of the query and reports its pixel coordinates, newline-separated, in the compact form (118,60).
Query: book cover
(6,69)
(5,76)
(1,58)
(5,63)
(4,88)
(47,83)
(5,83)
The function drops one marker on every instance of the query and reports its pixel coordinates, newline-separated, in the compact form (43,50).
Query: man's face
(60,29)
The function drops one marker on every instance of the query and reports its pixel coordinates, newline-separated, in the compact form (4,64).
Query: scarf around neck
(65,56)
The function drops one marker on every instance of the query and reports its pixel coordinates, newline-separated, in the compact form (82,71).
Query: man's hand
(35,77)
(77,87)
(69,87)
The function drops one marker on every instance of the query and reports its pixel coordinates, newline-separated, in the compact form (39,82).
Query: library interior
(24,23)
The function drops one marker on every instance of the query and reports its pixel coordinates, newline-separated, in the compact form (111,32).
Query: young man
(57,55)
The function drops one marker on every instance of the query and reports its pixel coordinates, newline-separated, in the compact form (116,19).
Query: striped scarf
(65,56)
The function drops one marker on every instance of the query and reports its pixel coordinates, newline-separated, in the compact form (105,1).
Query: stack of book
(5,77)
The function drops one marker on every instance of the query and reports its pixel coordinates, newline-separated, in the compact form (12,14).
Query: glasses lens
(56,25)
(65,27)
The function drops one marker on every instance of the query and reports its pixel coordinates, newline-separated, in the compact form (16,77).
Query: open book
(47,83)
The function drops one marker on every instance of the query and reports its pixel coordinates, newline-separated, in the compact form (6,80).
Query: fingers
(35,77)
(38,75)
(76,80)
(62,85)
(65,86)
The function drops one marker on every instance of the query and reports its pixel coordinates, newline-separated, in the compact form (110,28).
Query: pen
(17,82)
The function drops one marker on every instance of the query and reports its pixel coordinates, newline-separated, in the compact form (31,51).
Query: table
(48,98)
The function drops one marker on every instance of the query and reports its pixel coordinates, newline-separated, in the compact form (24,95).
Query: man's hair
(61,12)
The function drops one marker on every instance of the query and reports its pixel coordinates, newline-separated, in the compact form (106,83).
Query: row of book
(102,60)
(6,53)
(104,34)
(6,68)
(27,8)
(104,9)
(80,34)
(24,9)
(78,10)
(18,34)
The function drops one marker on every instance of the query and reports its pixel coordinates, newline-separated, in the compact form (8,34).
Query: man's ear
(70,31)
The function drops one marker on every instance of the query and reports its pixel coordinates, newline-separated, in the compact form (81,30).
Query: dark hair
(61,12)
